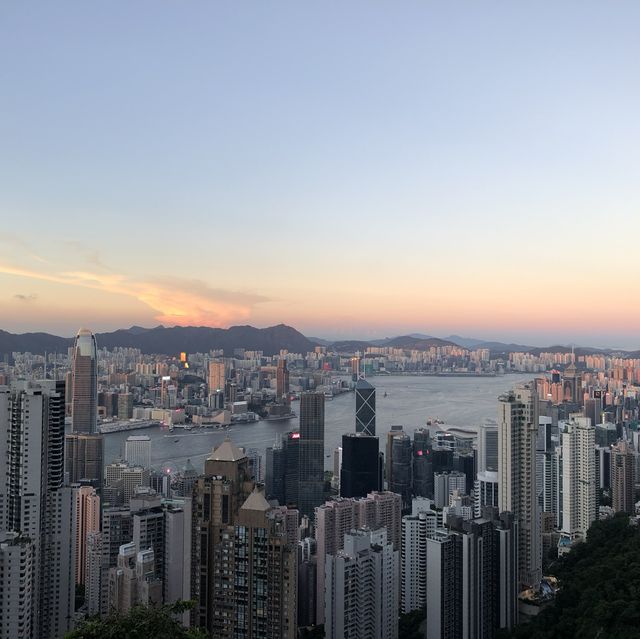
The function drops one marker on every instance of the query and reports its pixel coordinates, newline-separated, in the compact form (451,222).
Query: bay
(410,401)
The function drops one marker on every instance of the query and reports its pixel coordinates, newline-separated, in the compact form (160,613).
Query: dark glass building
(365,407)
(400,481)
(362,465)
(422,464)
(311,446)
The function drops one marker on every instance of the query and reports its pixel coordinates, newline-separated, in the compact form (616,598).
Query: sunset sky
(353,169)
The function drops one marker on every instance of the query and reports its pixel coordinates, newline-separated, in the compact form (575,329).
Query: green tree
(141,622)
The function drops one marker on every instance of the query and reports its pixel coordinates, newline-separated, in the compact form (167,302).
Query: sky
(353,169)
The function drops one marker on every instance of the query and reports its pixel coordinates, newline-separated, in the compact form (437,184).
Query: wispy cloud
(173,300)
(14,241)
(25,298)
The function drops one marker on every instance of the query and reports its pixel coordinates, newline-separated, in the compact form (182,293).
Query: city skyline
(468,171)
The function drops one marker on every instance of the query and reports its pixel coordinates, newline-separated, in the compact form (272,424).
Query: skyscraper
(365,407)
(217,376)
(86,516)
(282,379)
(244,573)
(422,464)
(84,402)
(578,476)
(622,478)
(361,465)
(35,503)
(311,446)
(400,480)
(517,433)
(84,445)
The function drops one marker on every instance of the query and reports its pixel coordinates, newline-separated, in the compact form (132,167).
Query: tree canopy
(141,622)
(599,593)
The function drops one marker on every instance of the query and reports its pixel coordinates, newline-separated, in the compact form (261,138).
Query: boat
(176,440)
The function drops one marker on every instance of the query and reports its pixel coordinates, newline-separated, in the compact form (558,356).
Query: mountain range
(271,340)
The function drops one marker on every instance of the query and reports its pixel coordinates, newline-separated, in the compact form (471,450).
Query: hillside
(599,586)
(173,340)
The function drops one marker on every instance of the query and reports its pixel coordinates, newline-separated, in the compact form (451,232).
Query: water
(410,401)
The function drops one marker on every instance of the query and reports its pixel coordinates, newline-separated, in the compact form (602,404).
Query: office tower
(282,380)
(311,447)
(217,376)
(84,458)
(517,433)
(622,478)
(422,463)
(84,402)
(337,468)
(362,587)
(337,517)
(265,566)
(400,480)
(161,483)
(274,472)
(603,467)
(282,469)
(445,484)
(472,578)
(132,581)
(184,482)
(571,384)
(361,465)
(121,482)
(593,406)
(365,407)
(488,447)
(35,503)
(137,451)
(416,528)
(396,430)
(86,517)
(578,476)
(17,586)
(244,574)
(125,406)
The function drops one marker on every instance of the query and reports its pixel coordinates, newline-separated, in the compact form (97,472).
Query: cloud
(16,242)
(25,298)
(173,300)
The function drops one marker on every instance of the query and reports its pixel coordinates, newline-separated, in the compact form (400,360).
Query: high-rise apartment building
(472,578)
(84,402)
(416,529)
(622,478)
(86,517)
(337,517)
(578,476)
(362,587)
(311,447)
(84,458)
(35,504)
(137,451)
(517,433)
(365,407)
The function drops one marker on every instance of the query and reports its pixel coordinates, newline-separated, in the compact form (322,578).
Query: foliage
(142,622)
(409,626)
(599,588)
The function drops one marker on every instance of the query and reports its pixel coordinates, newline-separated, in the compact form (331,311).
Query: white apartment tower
(517,433)
(578,476)
(362,594)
